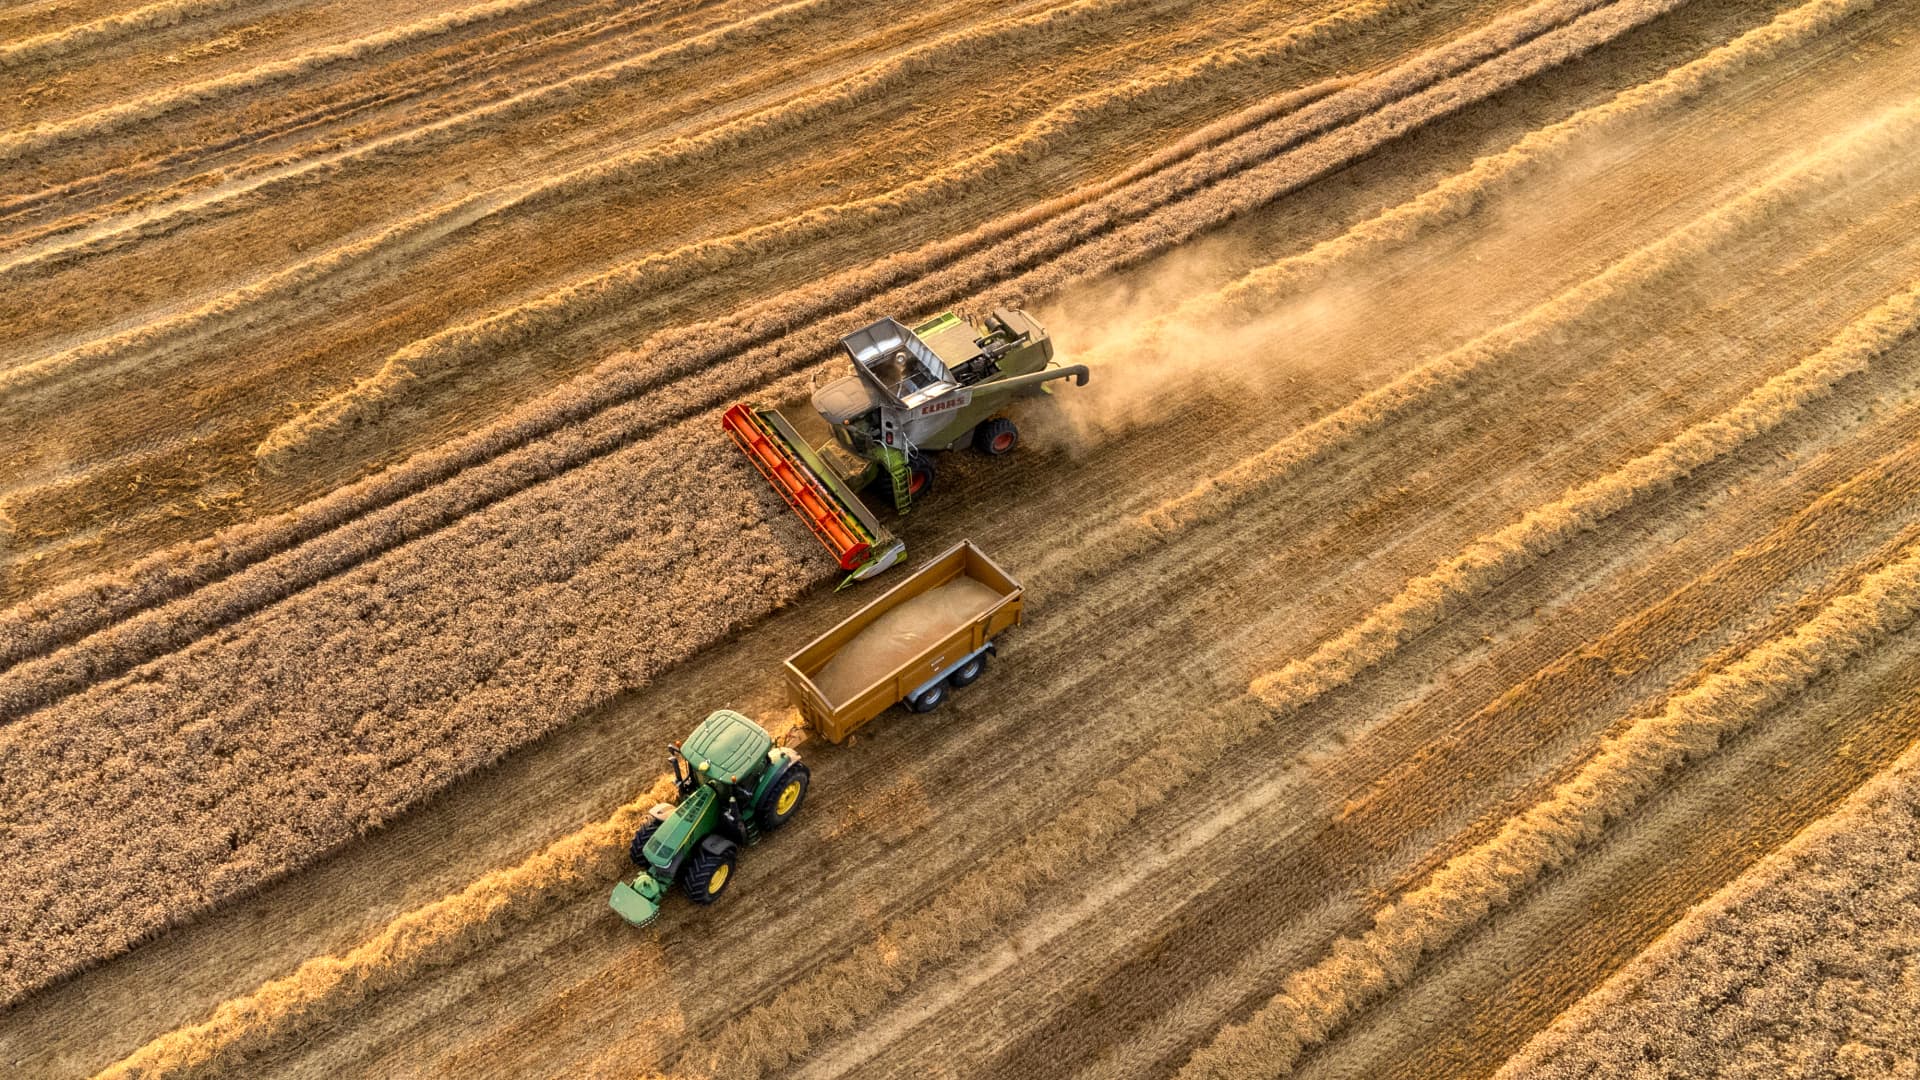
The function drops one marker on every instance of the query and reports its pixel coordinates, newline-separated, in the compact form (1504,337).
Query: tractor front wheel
(969,672)
(783,799)
(708,874)
(634,850)
(996,437)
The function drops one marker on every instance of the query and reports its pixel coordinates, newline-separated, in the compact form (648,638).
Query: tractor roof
(728,744)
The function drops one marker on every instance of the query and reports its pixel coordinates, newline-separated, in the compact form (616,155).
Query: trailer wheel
(929,699)
(783,799)
(708,874)
(919,474)
(996,437)
(640,841)
(969,672)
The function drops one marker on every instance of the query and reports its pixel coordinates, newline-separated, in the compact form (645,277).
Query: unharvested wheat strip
(111,28)
(767,1037)
(1628,766)
(117,231)
(450,350)
(1892,134)
(1460,195)
(26,141)
(768,337)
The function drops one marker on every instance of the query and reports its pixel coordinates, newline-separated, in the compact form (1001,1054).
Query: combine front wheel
(919,475)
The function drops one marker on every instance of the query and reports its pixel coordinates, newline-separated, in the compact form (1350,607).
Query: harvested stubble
(1492,559)
(1804,965)
(109,28)
(1152,205)
(409,743)
(413,369)
(1460,195)
(327,986)
(26,142)
(839,994)
(1460,895)
(743,34)
(1830,169)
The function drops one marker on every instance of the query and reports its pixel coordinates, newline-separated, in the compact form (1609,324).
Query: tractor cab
(726,748)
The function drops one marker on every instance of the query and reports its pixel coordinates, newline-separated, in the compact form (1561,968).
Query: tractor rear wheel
(996,437)
(708,873)
(969,671)
(640,841)
(929,699)
(783,799)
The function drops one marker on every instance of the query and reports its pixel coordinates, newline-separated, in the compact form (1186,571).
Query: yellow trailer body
(925,634)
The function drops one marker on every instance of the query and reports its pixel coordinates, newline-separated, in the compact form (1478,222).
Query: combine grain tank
(931,633)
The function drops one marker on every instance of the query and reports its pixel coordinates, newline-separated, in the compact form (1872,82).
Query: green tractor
(735,786)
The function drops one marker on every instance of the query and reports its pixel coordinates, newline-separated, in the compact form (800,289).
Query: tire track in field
(433,226)
(1629,766)
(596,414)
(1624,1017)
(445,354)
(846,990)
(39,138)
(1462,194)
(176,165)
(1835,165)
(59,43)
(1387,789)
(119,230)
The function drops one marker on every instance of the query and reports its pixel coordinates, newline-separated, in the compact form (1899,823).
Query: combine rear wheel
(783,799)
(996,437)
(707,874)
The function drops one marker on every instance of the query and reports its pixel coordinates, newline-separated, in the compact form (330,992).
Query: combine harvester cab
(937,386)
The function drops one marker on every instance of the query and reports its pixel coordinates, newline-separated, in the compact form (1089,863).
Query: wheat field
(1470,610)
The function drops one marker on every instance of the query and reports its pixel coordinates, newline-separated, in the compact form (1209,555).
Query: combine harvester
(934,387)
(931,633)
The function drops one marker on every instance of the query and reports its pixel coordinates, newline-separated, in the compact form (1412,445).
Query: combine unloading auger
(914,391)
